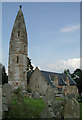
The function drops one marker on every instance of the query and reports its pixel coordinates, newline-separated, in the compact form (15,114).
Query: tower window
(18,33)
(24,75)
(24,48)
(17,59)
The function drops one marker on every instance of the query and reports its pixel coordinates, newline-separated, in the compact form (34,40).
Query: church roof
(49,76)
(46,76)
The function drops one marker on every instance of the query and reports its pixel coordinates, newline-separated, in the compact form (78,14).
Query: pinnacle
(20,6)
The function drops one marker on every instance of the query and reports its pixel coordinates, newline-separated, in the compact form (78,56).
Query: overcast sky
(53,31)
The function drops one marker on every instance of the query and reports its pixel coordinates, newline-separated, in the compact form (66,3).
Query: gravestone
(57,108)
(49,97)
(71,109)
(0,102)
(4,102)
(7,91)
(47,112)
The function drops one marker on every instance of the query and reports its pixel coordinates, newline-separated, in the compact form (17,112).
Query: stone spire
(17,68)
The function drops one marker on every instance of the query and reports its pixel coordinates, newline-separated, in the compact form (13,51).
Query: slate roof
(46,76)
(49,76)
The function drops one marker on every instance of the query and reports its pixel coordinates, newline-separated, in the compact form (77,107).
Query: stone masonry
(0,102)
(17,67)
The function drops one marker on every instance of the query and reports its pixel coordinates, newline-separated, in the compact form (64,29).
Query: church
(17,67)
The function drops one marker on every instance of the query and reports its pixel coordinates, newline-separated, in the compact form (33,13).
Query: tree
(3,75)
(77,76)
(29,69)
(29,65)
(66,71)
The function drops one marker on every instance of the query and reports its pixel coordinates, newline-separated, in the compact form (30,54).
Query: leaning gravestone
(71,109)
(7,91)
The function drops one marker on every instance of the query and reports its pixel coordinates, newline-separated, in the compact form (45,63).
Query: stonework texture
(0,102)
(37,82)
(71,109)
(17,67)
(7,92)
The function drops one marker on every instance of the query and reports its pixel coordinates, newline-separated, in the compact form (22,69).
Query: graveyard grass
(81,111)
(26,108)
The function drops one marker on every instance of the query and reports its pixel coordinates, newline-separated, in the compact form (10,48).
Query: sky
(53,30)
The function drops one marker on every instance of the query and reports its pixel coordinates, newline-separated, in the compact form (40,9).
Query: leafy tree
(66,71)
(29,65)
(3,75)
(77,76)
(29,69)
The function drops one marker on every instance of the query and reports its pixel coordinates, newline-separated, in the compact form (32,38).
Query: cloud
(81,63)
(71,28)
(61,65)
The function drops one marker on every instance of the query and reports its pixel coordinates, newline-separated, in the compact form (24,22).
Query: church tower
(17,67)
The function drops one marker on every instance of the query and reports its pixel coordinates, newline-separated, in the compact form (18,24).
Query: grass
(25,108)
(35,106)
(81,110)
(59,99)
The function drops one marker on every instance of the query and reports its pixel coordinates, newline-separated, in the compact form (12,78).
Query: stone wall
(17,68)
(37,82)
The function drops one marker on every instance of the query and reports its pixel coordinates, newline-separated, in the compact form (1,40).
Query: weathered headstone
(0,102)
(7,91)
(47,113)
(5,107)
(71,109)
(57,108)
(49,97)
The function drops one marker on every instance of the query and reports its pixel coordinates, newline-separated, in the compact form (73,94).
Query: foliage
(77,76)
(79,99)
(29,65)
(66,71)
(3,75)
(16,91)
(29,69)
(25,107)
(18,108)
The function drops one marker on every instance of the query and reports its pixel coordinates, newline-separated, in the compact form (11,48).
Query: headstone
(0,102)
(71,109)
(5,107)
(57,108)
(49,97)
(47,113)
(7,91)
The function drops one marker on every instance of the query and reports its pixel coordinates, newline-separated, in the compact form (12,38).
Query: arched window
(17,59)
(18,33)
